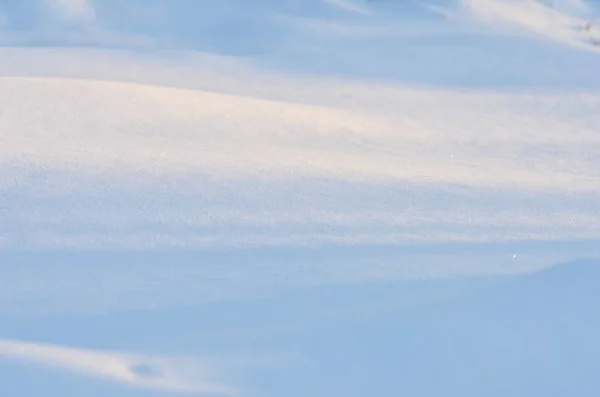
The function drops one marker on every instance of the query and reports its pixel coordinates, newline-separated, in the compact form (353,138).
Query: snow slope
(466,337)
(372,164)
(409,135)
(193,194)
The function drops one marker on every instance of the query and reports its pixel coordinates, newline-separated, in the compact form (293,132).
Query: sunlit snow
(299,197)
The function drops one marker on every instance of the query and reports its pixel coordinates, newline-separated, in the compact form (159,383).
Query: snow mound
(397,134)
(344,163)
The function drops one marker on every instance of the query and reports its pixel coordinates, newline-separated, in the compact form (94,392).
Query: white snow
(565,24)
(149,372)
(165,165)
(111,139)
(406,135)
(257,152)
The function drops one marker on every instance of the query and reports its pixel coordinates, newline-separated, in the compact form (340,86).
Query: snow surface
(299,197)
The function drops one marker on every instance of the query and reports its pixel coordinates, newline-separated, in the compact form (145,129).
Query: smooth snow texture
(431,136)
(370,164)
(425,136)
(292,32)
(521,336)
(155,373)
(48,284)
(562,23)
(224,179)
(73,9)
(117,149)
(351,6)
